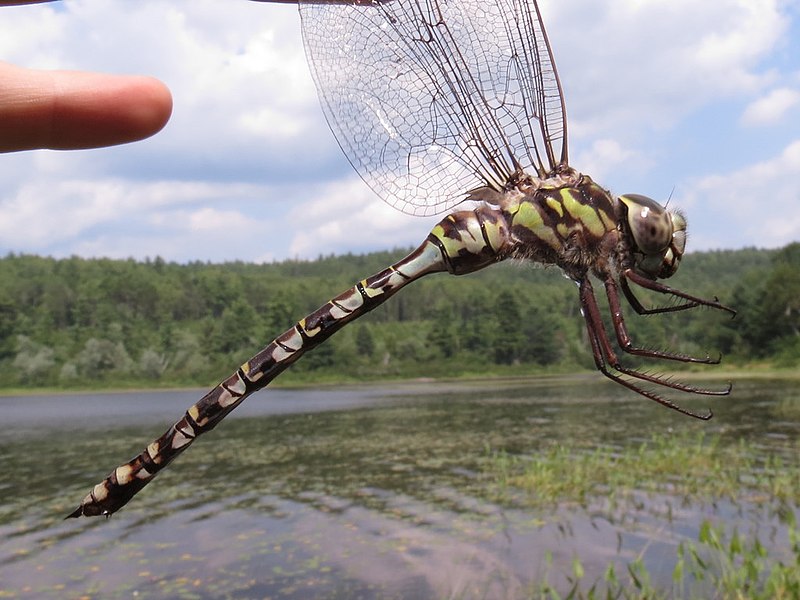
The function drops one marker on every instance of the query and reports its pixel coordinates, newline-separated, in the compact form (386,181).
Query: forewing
(431,99)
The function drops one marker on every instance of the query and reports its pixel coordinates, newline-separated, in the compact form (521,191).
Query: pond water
(363,492)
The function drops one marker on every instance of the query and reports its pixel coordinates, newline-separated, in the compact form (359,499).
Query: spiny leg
(594,338)
(655,286)
(624,338)
(589,303)
(604,355)
(611,356)
(641,310)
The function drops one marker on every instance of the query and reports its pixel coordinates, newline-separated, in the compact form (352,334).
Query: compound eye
(679,242)
(678,232)
(650,224)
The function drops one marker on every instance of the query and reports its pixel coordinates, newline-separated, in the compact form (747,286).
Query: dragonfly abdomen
(472,240)
(463,242)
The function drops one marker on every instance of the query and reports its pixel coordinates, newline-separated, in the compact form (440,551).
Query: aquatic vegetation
(723,562)
(693,466)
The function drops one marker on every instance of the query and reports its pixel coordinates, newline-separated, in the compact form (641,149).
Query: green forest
(100,323)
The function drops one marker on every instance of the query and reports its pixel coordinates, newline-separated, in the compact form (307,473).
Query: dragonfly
(457,105)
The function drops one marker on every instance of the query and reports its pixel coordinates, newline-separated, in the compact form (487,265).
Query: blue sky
(700,101)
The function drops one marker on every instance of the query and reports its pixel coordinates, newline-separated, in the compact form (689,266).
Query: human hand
(69,109)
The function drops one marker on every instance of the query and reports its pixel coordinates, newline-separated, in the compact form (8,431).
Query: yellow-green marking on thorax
(529,217)
(554,204)
(581,211)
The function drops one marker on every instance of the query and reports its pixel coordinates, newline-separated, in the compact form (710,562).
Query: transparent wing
(430,99)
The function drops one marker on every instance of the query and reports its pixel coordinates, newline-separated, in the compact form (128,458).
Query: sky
(695,102)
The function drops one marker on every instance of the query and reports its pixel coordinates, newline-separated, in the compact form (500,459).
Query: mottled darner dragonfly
(438,102)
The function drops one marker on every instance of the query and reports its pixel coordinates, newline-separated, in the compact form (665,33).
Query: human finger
(70,109)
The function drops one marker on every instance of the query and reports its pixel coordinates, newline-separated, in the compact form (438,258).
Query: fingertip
(151,106)
(95,110)
(66,110)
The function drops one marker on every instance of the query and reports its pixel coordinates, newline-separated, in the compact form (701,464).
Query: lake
(366,492)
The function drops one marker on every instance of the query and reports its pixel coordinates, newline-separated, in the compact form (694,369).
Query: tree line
(102,323)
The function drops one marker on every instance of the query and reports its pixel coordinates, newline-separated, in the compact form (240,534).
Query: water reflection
(385,494)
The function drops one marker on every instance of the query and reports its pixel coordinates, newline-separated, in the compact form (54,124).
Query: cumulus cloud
(247,168)
(770,109)
(629,65)
(47,217)
(604,155)
(243,92)
(348,214)
(756,205)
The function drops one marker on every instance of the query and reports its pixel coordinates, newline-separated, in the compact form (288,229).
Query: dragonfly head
(657,236)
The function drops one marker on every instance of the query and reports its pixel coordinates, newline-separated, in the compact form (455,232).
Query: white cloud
(44,215)
(248,152)
(603,156)
(237,70)
(756,205)
(770,109)
(24,31)
(630,65)
(222,222)
(347,214)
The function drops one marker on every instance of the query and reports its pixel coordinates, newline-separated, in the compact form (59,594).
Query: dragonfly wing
(430,99)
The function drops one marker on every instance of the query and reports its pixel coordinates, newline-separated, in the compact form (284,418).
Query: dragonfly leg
(650,284)
(604,356)
(641,310)
(624,338)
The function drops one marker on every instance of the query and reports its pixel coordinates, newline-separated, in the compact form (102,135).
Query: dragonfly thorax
(656,236)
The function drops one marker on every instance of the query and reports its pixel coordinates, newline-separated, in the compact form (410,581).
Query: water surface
(363,492)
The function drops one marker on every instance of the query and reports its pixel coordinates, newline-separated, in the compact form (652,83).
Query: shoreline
(742,373)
